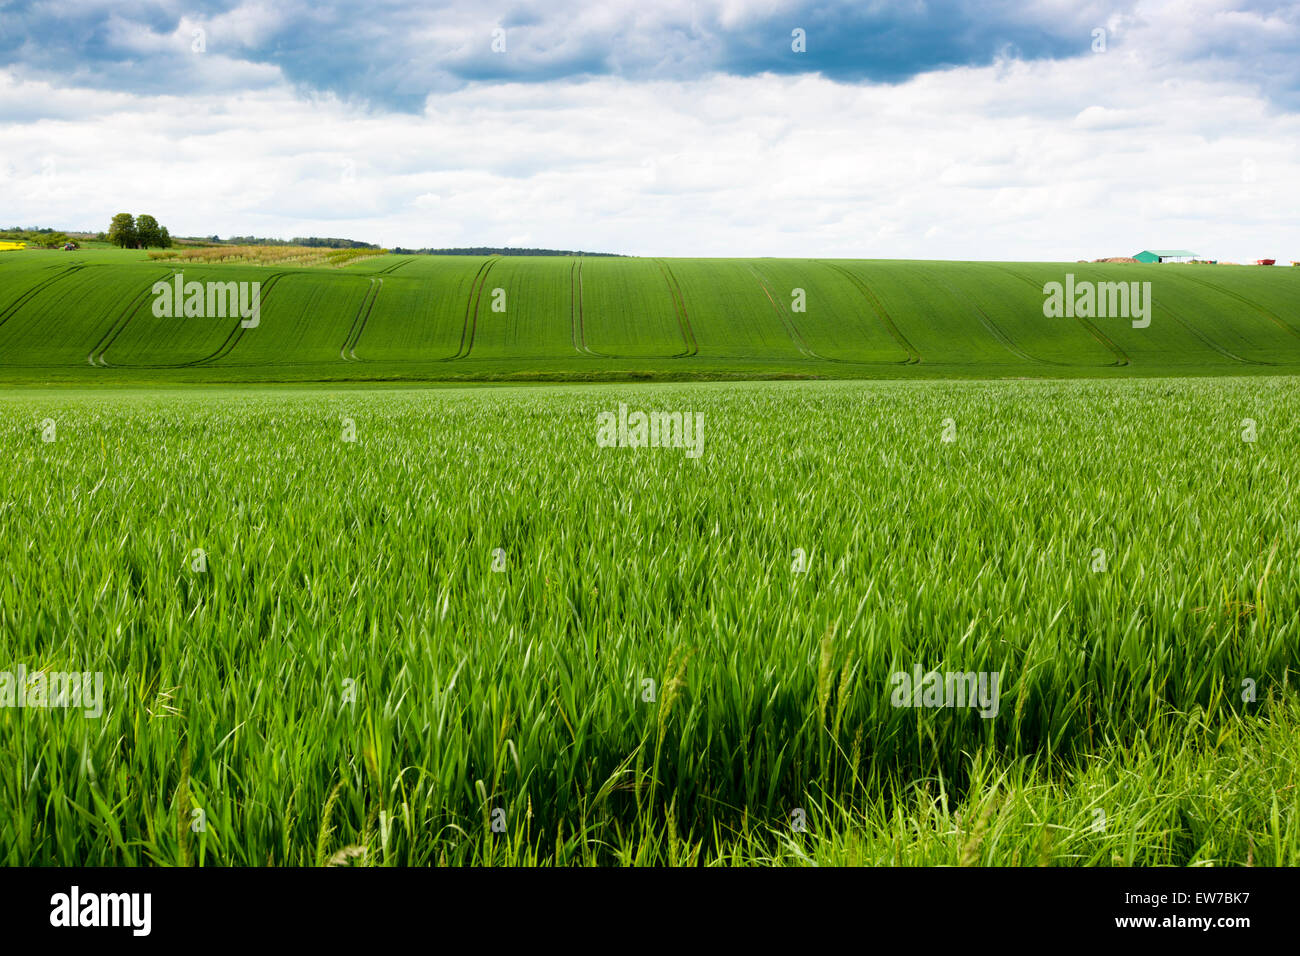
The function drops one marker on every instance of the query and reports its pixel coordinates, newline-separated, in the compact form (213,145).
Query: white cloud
(1082,158)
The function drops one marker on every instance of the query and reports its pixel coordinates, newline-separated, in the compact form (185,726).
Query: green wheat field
(395,625)
(87,317)
(366,583)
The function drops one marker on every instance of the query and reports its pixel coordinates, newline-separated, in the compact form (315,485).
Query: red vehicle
(1265,262)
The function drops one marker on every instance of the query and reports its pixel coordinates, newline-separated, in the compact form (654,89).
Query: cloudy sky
(943,129)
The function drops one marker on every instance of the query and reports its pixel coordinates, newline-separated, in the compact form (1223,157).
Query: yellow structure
(6,246)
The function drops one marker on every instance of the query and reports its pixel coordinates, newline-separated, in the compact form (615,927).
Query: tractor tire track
(788,321)
(222,350)
(683,317)
(577,316)
(1275,319)
(470,327)
(389,270)
(237,332)
(359,322)
(1196,333)
(18,303)
(1121,357)
(120,322)
(913,356)
(573,307)
(1212,345)
(994,330)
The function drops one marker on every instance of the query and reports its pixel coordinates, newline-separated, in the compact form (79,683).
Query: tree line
(314,242)
(138,232)
(46,238)
(498,251)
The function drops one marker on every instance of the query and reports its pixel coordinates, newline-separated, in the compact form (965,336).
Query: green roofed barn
(1165,255)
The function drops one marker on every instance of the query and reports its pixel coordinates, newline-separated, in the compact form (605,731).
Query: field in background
(444,625)
(71,317)
(297,256)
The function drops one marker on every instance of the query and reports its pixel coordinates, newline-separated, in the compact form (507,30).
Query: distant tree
(122,231)
(147,232)
(164,238)
(507,251)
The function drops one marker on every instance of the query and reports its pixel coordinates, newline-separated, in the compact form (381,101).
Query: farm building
(1165,255)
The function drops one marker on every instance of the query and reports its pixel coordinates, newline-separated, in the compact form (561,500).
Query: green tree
(148,232)
(122,231)
(165,238)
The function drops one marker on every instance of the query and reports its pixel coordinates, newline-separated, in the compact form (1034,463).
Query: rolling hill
(88,316)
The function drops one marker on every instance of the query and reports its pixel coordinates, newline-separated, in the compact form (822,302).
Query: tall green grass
(350,679)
